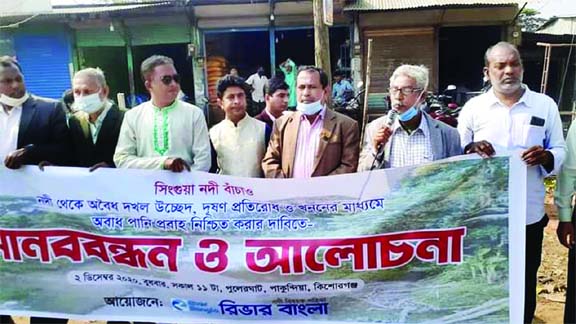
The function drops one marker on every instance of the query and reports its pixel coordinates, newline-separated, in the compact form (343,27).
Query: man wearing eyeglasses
(163,133)
(414,138)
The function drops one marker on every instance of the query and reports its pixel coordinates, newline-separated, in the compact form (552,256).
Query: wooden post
(366,90)
(321,40)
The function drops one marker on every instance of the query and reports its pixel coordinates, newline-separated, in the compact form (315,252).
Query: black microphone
(390,119)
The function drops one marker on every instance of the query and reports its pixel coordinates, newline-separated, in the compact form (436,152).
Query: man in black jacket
(33,129)
(96,125)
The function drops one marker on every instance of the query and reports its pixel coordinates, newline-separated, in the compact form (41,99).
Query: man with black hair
(163,133)
(33,129)
(239,140)
(342,90)
(314,141)
(276,98)
(258,82)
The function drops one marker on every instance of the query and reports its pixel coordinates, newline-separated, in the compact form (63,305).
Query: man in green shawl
(289,69)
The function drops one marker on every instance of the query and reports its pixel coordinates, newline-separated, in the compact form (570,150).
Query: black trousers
(6,319)
(570,306)
(534,236)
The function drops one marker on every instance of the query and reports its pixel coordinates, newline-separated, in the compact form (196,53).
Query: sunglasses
(167,79)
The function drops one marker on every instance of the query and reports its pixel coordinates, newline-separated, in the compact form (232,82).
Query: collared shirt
(566,181)
(410,149)
(533,120)
(9,127)
(340,88)
(240,148)
(258,83)
(307,145)
(97,125)
(272,118)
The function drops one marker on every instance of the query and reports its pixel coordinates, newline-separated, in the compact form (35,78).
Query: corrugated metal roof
(380,5)
(559,26)
(103,8)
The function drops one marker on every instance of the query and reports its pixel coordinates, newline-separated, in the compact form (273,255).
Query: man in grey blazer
(413,137)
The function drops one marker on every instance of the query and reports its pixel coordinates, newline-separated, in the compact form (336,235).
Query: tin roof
(64,10)
(381,5)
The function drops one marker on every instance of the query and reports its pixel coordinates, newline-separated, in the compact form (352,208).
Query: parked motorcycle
(443,107)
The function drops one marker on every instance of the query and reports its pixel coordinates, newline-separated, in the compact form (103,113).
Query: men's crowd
(314,140)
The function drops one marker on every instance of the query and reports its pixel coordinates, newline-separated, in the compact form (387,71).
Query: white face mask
(13,102)
(310,108)
(89,104)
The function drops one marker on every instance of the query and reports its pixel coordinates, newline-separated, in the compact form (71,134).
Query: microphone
(392,116)
(390,119)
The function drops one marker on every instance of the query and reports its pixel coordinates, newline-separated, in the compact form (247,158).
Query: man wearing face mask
(414,138)
(96,125)
(32,129)
(314,141)
(163,133)
(258,82)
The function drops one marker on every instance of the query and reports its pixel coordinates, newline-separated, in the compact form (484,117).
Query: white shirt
(512,129)
(258,83)
(240,148)
(9,126)
(97,125)
(187,137)
(410,149)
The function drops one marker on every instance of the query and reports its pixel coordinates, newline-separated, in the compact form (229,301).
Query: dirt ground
(551,279)
(552,275)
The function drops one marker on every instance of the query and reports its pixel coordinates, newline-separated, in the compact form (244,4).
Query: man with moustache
(315,140)
(511,117)
(239,140)
(163,133)
(414,138)
(32,129)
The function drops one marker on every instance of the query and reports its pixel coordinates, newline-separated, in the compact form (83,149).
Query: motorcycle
(442,107)
(352,107)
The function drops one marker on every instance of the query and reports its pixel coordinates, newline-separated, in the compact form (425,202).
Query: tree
(530,20)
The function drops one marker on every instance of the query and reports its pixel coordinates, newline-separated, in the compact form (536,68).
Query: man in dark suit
(33,129)
(96,125)
(314,141)
(276,99)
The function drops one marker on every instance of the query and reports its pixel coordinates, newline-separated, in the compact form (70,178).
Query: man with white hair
(511,117)
(413,137)
(96,125)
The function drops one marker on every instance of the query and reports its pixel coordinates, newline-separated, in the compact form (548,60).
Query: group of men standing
(166,133)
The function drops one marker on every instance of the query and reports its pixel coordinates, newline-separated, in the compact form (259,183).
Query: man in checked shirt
(413,137)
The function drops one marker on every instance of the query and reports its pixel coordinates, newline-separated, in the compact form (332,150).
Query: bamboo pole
(366,90)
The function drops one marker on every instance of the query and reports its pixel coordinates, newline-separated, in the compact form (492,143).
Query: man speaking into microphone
(407,135)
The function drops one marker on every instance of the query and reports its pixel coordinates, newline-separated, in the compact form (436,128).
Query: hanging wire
(16,24)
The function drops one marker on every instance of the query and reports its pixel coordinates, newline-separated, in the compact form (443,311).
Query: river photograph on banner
(430,243)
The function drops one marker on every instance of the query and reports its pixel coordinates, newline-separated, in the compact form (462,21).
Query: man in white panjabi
(163,133)
(239,140)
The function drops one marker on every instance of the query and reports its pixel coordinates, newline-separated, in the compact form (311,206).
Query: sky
(549,8)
